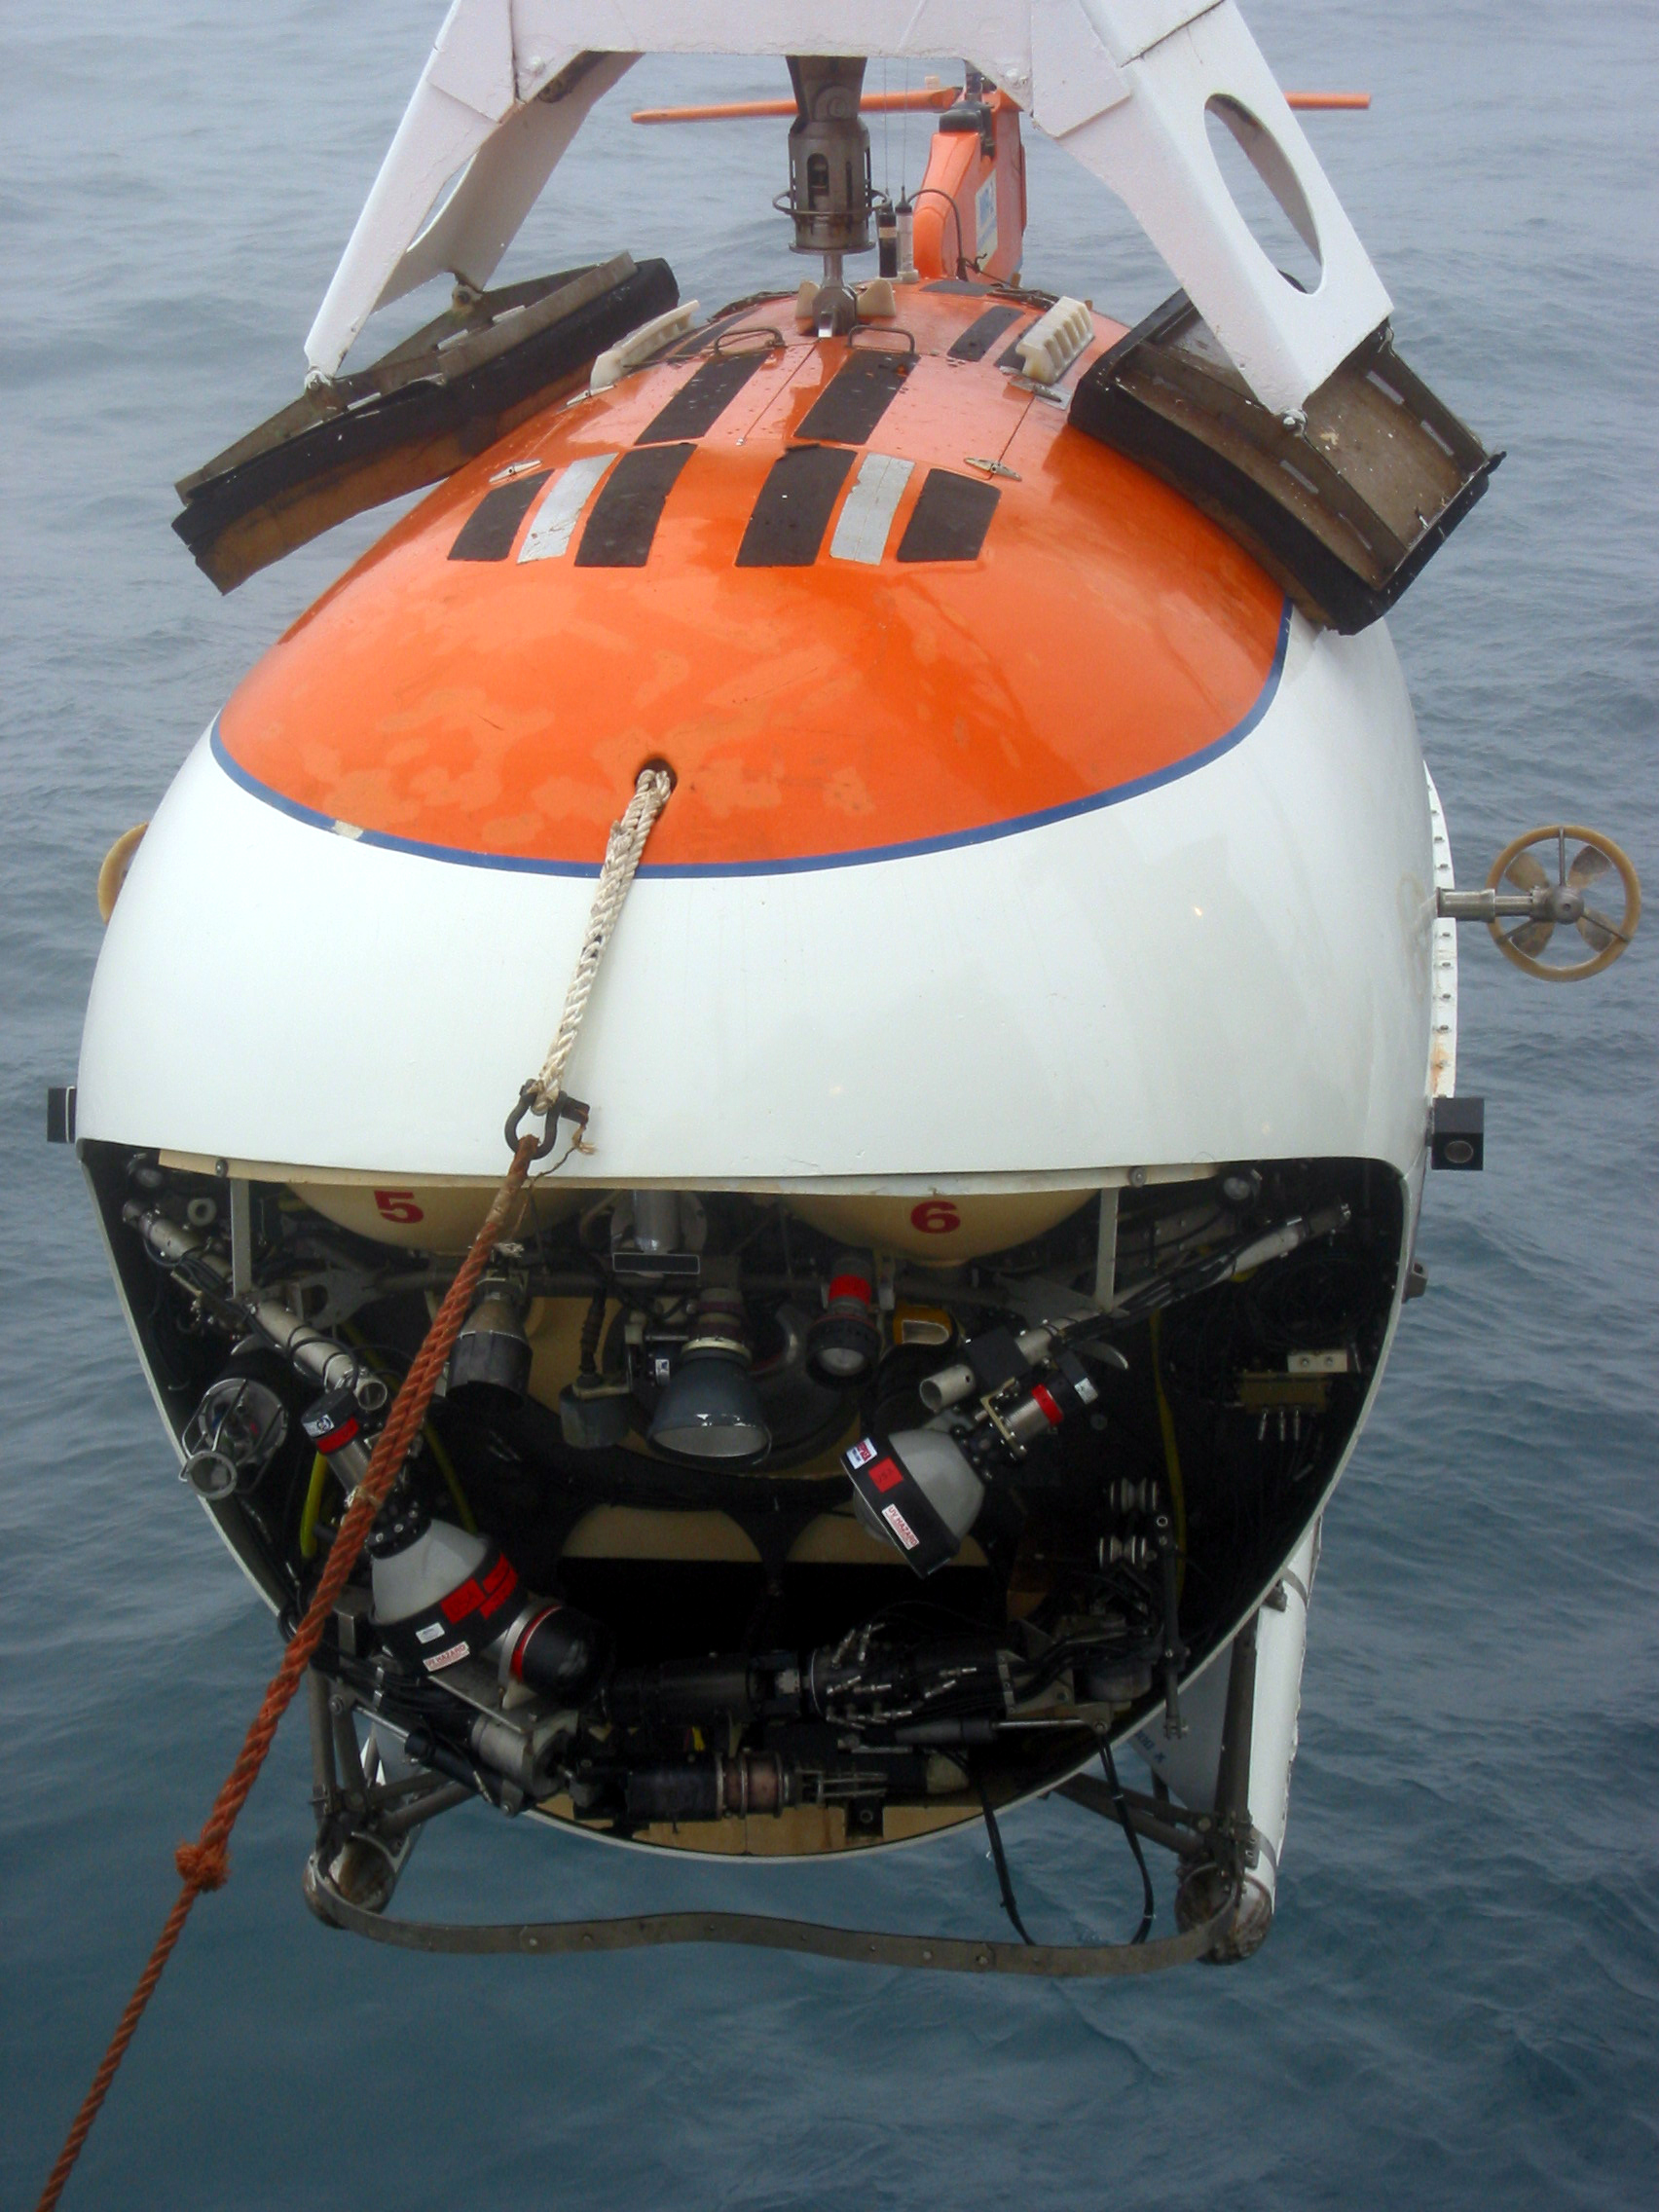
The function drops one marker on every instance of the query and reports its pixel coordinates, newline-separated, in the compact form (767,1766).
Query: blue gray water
(1457,2006)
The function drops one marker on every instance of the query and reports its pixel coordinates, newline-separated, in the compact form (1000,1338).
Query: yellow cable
(311,1507)
(434,1443)
(1171,1455)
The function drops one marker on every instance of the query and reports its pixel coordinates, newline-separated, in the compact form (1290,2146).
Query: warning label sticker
(445,1658)
(897,1522)
(862,1453)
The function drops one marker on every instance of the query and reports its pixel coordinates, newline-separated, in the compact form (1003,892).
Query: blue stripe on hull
(866,857)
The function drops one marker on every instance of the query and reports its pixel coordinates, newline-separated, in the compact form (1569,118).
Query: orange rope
(204,1865)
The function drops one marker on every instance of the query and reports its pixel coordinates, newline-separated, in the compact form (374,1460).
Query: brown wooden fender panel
(1343,504)
(412,418)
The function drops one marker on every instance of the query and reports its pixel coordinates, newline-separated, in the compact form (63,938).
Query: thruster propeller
(1536,889)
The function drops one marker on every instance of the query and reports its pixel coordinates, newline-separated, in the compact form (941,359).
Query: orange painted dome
(787,568)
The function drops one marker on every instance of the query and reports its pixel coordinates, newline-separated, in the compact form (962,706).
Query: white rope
(622,852)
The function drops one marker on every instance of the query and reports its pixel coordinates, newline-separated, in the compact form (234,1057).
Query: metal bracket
(241,1236)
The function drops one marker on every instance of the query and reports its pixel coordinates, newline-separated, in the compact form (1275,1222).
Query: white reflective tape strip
(867,517)
(562,504)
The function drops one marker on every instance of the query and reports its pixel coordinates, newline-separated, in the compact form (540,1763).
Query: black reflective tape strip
(982,332)
(855,399)
(625,515)
(791,513)
(951,519)
(702,398)
(489,530)
(961,285)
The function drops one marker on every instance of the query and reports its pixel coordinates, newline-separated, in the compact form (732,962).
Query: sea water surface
(1457,2004)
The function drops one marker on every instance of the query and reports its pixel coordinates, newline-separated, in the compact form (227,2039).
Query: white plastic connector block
(1050,347)
(613,364)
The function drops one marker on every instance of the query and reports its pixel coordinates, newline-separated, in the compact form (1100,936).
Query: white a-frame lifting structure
(1122,84)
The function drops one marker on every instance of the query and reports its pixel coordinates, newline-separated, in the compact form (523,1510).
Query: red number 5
(397,1206)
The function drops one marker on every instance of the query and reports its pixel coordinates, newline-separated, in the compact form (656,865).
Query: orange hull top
(725,562)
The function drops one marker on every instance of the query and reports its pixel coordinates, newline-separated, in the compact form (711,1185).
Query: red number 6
(935,1217)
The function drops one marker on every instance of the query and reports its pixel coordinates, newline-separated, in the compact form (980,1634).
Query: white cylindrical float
(1239,1745)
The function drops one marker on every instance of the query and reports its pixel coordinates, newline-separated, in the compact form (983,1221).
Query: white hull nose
(1234,964)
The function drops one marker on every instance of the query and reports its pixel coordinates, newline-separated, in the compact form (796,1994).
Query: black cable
(1005,1881)
(936,192)
(1148,1903)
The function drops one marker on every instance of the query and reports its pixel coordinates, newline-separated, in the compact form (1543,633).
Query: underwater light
(711,1409)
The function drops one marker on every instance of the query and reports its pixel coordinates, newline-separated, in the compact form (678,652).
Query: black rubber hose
(1005,1881)
(1148,1903)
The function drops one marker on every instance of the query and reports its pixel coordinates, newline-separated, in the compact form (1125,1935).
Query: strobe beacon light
(844,1343)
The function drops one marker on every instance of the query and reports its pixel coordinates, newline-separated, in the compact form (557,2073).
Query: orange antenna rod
(932,96)
(731,111)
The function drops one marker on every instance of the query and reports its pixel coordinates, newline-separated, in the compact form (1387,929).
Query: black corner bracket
(60,1112)
(1456,1134)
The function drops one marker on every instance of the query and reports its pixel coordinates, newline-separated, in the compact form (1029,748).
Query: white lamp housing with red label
(921,1490)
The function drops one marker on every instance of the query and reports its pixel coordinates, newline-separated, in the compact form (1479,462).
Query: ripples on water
(1457,2004)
